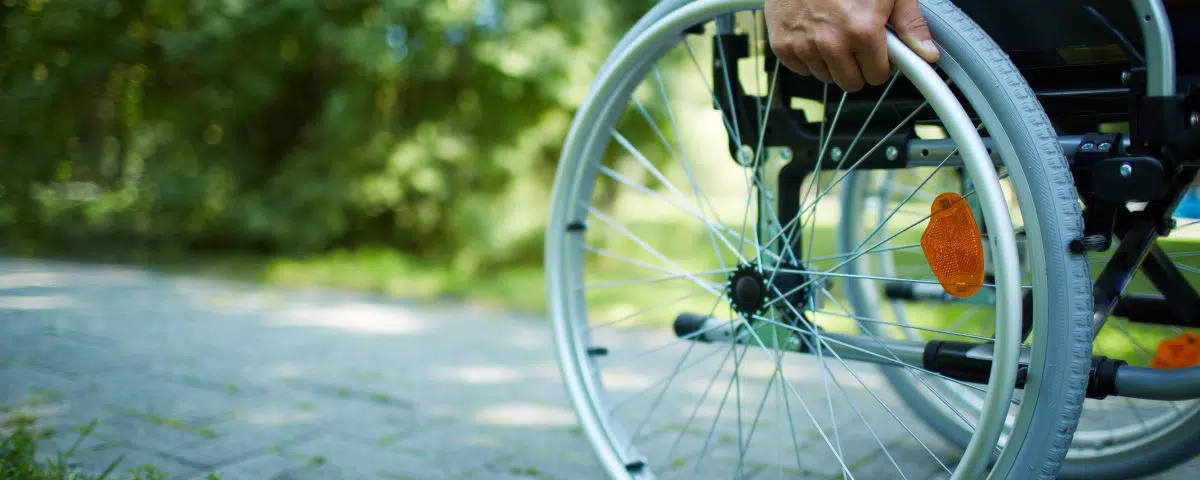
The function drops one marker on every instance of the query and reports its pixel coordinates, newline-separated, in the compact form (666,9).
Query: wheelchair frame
(1154,163)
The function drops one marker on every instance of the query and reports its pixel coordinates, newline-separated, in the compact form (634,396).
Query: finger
(872,57)
(807,55)
(843,68)
(845,72)
(785,53)
(789,60)
(911,27)
(819,70)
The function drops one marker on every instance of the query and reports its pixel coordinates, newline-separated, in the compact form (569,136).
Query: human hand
(845,41)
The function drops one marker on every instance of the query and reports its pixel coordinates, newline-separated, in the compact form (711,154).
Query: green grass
(19,459)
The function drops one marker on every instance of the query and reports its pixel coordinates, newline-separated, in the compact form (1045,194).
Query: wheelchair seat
(1073,58)
(1039,34)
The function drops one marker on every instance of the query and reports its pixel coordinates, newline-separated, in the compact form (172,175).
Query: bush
(293,125)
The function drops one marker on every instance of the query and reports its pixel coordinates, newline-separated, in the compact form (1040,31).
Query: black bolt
(1165,226)
(576,227)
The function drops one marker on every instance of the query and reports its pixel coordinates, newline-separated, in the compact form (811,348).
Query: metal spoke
(729,124)
(885,359)
(737,360)
(665,381)
(870,116)
(899,325)
(837,451)
(708,389)
(684,338)
(737,132)
(687,168)
(878,250)
(658,279)
(813,205)
(823,273)
(868,389)
(923,380)
(668,274)
(816,177)
(820,339)
(631,236)
(744,447)
(803,404)
(838,180)
(594,328)
(679,368)
(918,188)
(716,229)
(860,254)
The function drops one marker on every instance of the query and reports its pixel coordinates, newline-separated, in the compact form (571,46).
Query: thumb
(911,28)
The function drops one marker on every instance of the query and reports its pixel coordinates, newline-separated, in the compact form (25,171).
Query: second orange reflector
(953,246)
(1179,352)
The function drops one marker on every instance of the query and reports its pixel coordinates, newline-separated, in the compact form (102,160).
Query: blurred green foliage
(293,126)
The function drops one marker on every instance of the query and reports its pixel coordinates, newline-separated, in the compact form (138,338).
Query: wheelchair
(977,269)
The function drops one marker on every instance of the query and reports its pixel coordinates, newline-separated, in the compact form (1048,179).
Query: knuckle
(805,52)
(866,29)
(786,46)
(828,45)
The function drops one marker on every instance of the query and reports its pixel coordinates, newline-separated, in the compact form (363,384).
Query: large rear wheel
(741,352)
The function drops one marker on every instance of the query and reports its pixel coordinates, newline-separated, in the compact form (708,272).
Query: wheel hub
(750,290)
(747,290)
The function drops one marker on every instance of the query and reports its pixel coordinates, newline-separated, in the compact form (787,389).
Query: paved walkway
(195,376)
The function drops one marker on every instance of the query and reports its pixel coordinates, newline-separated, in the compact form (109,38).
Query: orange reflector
(1179,352)
(953,246)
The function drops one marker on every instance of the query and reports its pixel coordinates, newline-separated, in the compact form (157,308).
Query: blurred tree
(293,125)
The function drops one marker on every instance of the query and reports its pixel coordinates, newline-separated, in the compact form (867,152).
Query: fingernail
(928,46)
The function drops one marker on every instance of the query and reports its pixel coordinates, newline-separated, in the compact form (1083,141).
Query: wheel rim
(565,262)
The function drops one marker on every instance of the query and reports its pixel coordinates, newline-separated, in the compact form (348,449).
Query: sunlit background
(394,146)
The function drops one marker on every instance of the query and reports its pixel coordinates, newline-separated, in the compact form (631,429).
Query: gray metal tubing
(1131,381)
(875,350)
(1160,47)
(929,153)
(847,347)
(1158,384)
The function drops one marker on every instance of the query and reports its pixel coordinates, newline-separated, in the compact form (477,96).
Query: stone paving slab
(263,465)
(196,376)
